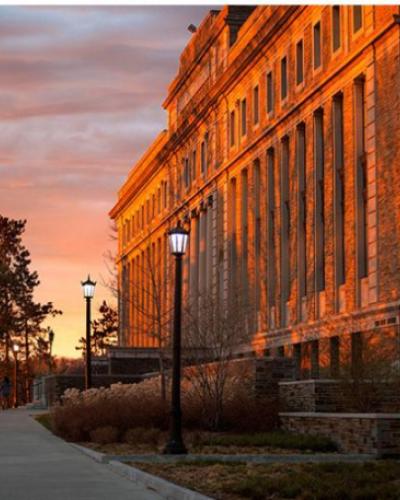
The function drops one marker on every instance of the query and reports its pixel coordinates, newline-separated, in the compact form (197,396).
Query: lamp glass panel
(88,290)
(178,242)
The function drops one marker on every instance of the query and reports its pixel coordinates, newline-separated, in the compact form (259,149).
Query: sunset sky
(80,100)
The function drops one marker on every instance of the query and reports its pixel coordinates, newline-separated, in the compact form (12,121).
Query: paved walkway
(35,465)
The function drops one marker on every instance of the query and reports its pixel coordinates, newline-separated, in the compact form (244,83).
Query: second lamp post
(88,292)
(178,239)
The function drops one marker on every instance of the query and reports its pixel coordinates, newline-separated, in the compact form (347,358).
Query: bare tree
(142,292)
(213,331)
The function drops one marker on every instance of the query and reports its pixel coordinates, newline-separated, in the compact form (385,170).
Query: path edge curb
(164,488)
(95,455)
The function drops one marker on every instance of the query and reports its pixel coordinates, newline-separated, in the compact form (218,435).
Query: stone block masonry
(371,433)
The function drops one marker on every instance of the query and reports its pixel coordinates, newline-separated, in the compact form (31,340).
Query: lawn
(209,443)
(328,481)
(45,420)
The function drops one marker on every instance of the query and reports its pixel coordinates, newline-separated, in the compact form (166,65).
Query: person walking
(5,393)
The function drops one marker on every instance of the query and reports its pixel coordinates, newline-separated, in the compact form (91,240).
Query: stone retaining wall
(377,434)
(329,395)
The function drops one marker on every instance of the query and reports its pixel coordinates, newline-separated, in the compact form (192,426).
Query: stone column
(334,357)
(297,361)
(202,253)
(315,359)
(209,250)
(193,273)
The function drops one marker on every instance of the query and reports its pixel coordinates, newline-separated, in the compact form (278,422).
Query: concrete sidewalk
(35,465)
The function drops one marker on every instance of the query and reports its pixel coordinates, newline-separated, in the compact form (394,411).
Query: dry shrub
(104,435)
(122,406)
(238,409)
(138,412)
(142,435)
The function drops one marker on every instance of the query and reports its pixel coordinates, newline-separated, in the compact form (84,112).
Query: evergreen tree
(21,318)
(105,331)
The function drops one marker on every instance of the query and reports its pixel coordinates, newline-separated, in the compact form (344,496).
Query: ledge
(309,381)
(378,416)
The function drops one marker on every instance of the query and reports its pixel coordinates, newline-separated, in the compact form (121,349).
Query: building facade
(282,157)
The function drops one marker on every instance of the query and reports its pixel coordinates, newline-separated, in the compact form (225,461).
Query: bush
(123,406)
(104,435)
(141,435)
(139,413)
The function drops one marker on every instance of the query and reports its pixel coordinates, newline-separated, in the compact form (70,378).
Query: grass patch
(330,481)
(282,440)
(45,420)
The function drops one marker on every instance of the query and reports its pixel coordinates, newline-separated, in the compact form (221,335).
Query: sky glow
(80,100)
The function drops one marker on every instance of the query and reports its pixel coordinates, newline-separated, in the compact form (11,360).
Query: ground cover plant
(45,420)
(329,481)
(149,441)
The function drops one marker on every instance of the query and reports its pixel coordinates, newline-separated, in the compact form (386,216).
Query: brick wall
(377,434)
(338,396)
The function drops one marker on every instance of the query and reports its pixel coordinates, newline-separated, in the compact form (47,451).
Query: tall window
(299,62)
(232,131)
(256,105)
(361,179)
(319,200)
(128,230)
(336,30)
(194,165)
(317,44)
(257,230)
(165,194)
(270,93)
(232,236)
(271,226)
(159,200)
(285,228)
(244,232)
(338,145)
(204,155)
(244,117)
(302,207)
(357,18)
(186,172)
(284,78)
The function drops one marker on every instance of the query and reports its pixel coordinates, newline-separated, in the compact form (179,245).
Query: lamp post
(178,239)
(88,287)
(51,340)
(16,350)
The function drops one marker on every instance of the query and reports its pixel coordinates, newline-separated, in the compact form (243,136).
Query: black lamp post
(88,292)
(51,340)
(178,239)
(16,350)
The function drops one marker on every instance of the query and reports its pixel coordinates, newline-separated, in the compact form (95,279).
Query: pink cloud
(80,100)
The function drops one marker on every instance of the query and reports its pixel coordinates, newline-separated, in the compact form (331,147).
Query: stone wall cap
(309,381)
(378,416)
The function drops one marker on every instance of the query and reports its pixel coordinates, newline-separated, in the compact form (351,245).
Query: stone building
(282,157)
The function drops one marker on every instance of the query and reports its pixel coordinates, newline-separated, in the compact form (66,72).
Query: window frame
(284,98)
(232,128)
(318,68)
(355,32)
(340,46)
(269,99)
(299,84)
(243,119)
(256,105)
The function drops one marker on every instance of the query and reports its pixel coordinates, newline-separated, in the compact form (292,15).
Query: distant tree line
(21,316)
